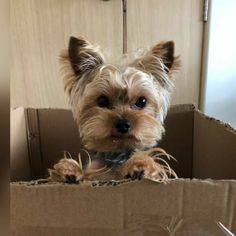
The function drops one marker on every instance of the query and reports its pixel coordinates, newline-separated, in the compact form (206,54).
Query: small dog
(119,110)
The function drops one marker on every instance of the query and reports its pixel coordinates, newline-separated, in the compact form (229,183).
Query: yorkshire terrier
(119,110)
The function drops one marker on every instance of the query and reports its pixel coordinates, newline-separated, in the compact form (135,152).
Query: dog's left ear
(165,51)
(160,61)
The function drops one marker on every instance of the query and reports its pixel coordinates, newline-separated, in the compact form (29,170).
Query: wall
(40,29)
(220,86)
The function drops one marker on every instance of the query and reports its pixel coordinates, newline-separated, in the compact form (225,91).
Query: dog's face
(118,108)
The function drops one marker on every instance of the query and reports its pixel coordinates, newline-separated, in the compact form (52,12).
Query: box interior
(203,146)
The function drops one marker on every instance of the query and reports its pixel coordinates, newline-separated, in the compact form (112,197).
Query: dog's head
(119,107)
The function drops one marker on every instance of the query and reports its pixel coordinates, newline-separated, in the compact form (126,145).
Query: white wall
(220,93)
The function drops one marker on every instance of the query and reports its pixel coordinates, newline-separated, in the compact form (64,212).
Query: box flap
(50,133)
(182,207)
(59,133)
(214,148)
(20,163)
(178,138)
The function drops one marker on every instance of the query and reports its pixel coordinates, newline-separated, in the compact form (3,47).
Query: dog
(119,109)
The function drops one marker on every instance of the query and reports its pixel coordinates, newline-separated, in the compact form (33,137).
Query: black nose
(122,125)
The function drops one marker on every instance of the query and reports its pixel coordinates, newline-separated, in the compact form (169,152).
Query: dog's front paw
(67,171)
(140,166)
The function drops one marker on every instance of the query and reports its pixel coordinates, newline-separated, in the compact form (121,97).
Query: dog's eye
(141,102)
(103,101)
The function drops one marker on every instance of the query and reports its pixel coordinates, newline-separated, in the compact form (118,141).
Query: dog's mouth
(124,141)
(113,142)
(126,137)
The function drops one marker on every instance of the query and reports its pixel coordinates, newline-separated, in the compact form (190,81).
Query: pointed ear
(83,56)
(160,62)
(78,61)
(165,51)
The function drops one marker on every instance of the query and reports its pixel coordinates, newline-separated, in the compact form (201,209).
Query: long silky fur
(147,74)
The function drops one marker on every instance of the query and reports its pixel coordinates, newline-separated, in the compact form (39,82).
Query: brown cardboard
(178,139)
(182,207)
(203,146)
(214,148)
(20,166)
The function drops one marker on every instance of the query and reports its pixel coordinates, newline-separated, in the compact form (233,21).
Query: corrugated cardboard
(214,148)
(182,207)
(20,165)
(203,146)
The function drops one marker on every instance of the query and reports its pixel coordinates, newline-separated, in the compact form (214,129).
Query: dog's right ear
(79,60)
(83,56)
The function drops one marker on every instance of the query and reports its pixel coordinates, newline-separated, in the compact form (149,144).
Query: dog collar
(114,159)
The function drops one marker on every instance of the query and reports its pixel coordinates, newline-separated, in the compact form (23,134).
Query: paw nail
(71,179)
(134,176)
(128,176)
(141,174)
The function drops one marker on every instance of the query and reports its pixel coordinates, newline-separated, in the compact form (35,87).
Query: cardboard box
(192,205)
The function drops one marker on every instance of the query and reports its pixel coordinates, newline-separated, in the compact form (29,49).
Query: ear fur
(165,51)
(83,56)
(160,61)
(80,59)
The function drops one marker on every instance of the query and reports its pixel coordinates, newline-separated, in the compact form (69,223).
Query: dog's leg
(67,171)
(142,165)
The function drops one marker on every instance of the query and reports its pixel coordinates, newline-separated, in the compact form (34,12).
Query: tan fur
(87,76)
(66,167)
